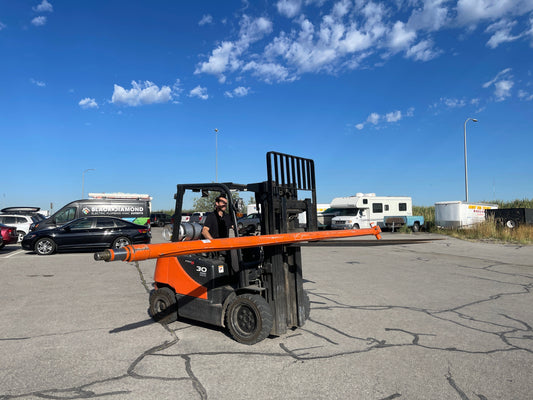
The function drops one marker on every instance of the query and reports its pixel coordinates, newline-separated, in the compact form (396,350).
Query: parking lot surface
(447,319)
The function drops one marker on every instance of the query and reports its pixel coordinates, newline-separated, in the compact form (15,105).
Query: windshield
(343,212)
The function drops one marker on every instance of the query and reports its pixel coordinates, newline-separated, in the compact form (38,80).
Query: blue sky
(376,92)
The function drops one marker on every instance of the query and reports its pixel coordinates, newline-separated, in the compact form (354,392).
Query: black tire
(120,242)
(160,224)
(2,244)
(45,246)
(511,223)
(163,305)
(21,235)
(416,227)
(249,319)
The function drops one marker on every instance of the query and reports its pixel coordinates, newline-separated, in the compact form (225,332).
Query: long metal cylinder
(138,252)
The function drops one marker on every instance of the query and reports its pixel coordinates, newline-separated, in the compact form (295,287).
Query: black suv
(160,219)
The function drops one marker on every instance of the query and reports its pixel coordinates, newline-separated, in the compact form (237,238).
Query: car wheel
(249,318)
(163,306)
(416,227)
(239,226)
(121,242)
(21,235)
(45,246)
(160,224)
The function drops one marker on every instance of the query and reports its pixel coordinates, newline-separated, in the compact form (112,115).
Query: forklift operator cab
(253,292)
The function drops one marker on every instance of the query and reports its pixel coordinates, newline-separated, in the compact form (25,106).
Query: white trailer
(366,209)
(459,214)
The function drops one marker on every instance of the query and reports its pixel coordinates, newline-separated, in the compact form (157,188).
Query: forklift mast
(280,204)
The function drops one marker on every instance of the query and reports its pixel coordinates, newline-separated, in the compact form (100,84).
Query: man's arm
(206,234)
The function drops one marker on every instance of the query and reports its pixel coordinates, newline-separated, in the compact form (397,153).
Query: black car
(87,233)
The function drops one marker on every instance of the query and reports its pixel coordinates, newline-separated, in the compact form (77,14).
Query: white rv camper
(366,209)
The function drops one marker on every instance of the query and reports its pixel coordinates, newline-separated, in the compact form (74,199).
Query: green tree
(206,204)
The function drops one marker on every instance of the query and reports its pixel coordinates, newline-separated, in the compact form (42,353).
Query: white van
(366,209)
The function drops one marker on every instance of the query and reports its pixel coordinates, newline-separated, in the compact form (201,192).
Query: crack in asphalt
(504,332)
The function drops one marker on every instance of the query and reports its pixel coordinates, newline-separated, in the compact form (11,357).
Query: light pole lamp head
(474,120)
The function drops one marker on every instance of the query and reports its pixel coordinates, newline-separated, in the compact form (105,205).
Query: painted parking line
(15,253)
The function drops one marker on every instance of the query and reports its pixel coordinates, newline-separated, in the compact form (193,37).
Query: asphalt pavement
(445,319)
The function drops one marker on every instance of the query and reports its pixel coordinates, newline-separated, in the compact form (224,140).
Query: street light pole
(83,181)
(466,165)
(216,155)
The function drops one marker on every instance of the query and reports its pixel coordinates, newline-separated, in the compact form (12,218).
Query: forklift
(252,286)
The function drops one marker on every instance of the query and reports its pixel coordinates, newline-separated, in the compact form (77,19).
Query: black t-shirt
(218,226)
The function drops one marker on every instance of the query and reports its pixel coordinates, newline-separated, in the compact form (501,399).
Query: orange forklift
(252,285)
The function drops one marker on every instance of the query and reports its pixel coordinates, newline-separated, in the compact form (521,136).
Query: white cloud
(453,103)
(502,89)
(289,8)
(433,16)
(206,19)
(269,72)
(401,37)
(2,26)
(44,6)
(393,116)
(501,33)
(498,76)
(240,91)
(37,83)
(141,93)
(200,92)
(88,103)
(503,83)
(226,56)
(39,21)
(423,51)
(373,118)
(390,117)
(219,60)
(474,11)
(334,36)
(523,95)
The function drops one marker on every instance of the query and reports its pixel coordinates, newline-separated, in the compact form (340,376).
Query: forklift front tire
(249,319)
(163,305)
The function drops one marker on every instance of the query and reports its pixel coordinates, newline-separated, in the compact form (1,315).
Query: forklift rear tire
(249,319)
(163,305)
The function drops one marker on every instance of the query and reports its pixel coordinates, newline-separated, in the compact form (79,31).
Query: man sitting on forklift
(218,223)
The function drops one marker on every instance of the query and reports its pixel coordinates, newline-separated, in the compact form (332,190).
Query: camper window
(403,206)
(377,207)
